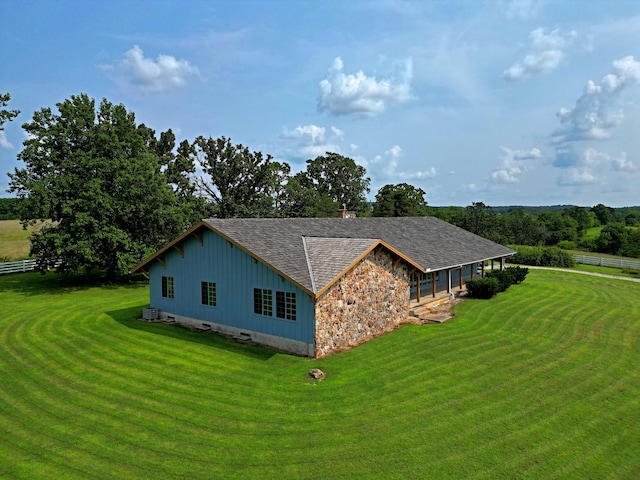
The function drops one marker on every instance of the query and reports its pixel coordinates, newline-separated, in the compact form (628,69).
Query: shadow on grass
(129,317)
(33,283)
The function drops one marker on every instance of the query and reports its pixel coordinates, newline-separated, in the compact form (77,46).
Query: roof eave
(330,284)
(201,224)
(458,265)
(168,246)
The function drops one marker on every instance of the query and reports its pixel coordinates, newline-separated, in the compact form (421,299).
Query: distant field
(14,241)
(592,233)
(540,382)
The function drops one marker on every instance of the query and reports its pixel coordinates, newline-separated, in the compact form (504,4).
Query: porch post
(448,280)
(433,284)
(418,275)
(460,286)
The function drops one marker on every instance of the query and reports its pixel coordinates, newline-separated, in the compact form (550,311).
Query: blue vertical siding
(235,274)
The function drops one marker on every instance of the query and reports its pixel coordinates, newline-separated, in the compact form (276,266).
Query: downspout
(314,298)
(453,295)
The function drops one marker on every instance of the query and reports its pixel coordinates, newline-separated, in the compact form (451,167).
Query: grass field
(14,241)
(592,233)
(540,382)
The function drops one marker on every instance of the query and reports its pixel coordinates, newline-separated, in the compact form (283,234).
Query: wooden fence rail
(607,262)
(17,267)
(29,265)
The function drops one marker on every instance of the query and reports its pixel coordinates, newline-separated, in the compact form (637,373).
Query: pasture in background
(14,241)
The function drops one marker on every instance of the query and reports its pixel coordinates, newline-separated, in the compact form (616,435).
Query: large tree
(604,214)
(612,239)
(179,170)
(278,180)
(92,179)
(478,218)
(583,216)
(237,181)
(522,228)
(559,226)
(6,115)
(401,200)
(331,182)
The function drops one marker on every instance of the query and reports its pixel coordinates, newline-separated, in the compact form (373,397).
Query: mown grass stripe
(487,395)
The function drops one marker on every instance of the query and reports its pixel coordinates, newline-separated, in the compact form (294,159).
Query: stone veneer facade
(371,299)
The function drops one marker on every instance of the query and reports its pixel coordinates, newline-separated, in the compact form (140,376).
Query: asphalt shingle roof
(329,257)
(311,251)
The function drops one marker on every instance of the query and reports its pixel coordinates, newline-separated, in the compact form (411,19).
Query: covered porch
(430,286)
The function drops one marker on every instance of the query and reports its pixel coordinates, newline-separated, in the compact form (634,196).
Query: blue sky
(508,102)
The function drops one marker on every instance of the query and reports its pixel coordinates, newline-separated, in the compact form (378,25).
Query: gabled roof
(314,252)
(327,258)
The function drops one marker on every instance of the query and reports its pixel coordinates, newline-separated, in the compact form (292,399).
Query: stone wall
(373,298)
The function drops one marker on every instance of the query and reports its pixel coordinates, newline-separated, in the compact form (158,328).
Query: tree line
(108,191)
(618,231)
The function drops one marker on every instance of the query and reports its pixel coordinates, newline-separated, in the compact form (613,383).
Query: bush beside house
(495,282)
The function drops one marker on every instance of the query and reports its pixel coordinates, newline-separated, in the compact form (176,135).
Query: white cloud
(149,75)
(311,141)
(4,143)
(384,167)
(522,9)
(421,175)
(577,176)
(597,112)
(513,164)
(622,164)
(386,164)
(587,165)
(546,53)
(311,133)
(347,94)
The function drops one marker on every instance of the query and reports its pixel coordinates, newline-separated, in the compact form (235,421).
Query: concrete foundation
(279,343)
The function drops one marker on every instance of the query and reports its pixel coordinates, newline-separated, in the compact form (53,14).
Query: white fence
(17,267)
(29,265)
(607,262)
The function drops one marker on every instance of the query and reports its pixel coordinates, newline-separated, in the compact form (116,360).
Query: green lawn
(606,270)
(541,382)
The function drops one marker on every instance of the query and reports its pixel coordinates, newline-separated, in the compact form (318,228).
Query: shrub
(503,277)
(496,281)
(484,288)
(567,245)
(518,273)
(542,256)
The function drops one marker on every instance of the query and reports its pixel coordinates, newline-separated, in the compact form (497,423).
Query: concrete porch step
(438,317)
(420,311)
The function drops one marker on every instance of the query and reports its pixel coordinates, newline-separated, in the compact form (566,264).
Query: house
(310,286)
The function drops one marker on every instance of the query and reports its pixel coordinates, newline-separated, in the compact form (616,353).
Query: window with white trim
(209,294)
(286,305)
(167,287)
(262,302)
